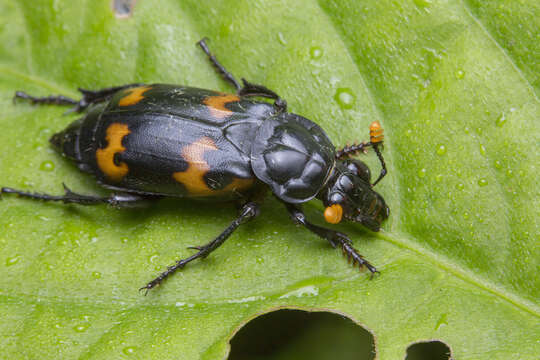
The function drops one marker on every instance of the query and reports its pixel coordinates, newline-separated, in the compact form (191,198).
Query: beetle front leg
(334,237)
(89,97)
(248,212)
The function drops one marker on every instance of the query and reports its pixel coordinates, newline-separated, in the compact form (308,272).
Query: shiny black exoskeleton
(151,141)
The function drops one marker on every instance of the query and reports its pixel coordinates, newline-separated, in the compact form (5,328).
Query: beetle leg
(88,97)
(383,164)
(96,96)
(47,100)
(334,237)
(220,68)
(247,88)
(248,212)
(70,197)
(255,90)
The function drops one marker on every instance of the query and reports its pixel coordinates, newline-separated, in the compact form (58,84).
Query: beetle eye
(359,168)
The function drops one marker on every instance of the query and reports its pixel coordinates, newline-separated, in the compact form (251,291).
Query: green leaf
(455,85)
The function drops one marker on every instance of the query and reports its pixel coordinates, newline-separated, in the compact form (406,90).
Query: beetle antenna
(349,150)
(376,137)
(383,164)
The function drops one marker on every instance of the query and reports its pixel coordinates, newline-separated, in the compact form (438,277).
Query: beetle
(148,141)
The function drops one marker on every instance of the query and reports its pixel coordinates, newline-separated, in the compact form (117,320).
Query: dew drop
(509,173)
(345,98)
(498,164)
(12,260)
(482,149)
(482,182)
(281,38)
(441,150)
(460,74)
(466,130)
(501,120)
(438,178)
(422,172)
(460,186)
(96,275)
(80,327)
(153,258)
(130,350)
(315,52)
(465,215)
(46,166)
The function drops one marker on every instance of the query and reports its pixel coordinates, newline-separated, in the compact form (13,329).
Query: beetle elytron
(152,141)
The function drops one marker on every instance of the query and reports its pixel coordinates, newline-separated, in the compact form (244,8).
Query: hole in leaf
(429,350)
(123,8)
(298,334)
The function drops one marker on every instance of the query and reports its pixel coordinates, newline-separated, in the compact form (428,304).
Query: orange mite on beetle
(149,141)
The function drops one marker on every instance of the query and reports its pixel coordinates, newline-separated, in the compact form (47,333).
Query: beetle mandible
(152,141)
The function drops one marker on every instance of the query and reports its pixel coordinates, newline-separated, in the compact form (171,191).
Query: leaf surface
(454,84)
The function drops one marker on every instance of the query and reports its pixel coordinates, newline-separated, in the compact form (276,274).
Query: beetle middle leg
(246,88)
(70,197)
(248,212)
(334,237)
(89,97)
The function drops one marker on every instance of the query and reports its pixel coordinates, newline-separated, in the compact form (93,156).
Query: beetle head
(349,195)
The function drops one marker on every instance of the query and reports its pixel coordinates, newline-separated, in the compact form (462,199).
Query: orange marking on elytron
(193,177)
(216,104)
(133,96)
(376,132)
(105,157)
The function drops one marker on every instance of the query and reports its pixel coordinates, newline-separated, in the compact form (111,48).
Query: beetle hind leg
(70,197)
(248,212)
(89,97)
(46,100)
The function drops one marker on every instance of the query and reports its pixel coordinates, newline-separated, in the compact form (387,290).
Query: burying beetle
(152,141)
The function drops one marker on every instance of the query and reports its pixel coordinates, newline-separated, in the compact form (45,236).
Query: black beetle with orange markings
(152,141)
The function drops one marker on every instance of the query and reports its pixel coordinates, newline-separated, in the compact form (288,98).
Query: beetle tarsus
(217,65)
(46,100)
(88,98)
(70,197)
(352,254)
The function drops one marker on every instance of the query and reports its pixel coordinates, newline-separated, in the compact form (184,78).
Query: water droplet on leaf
(46,166)
(345,98)
(315,52)
(441,150)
